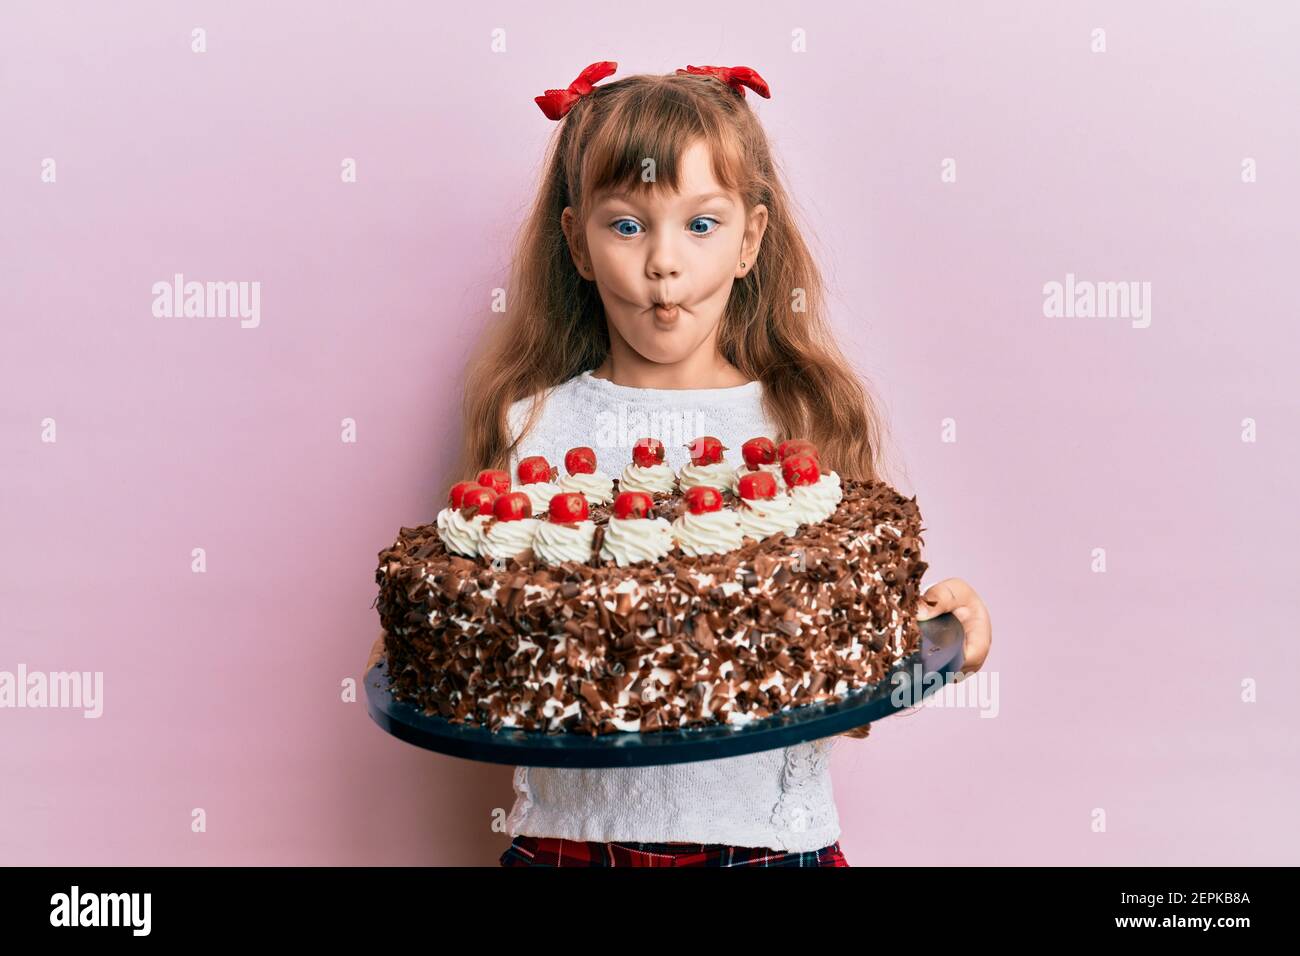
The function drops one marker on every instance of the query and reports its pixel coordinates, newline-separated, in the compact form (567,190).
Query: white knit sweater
(780,799)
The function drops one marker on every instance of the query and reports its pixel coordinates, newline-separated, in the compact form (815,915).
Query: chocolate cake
(592,647)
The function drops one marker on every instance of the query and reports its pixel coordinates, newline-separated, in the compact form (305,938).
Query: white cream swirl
(718,475)
(656,478)
(817,502)
(628,540)
(596,486)
(712,532)
(760,517)
(555,542)
(508,539)
(461,535)
(540,494)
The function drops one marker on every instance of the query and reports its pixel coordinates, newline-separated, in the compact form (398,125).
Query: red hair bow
(555,103)
(736,77)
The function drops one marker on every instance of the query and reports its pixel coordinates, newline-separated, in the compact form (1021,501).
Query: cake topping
(512,506)
(480,499)
(757,484)
(706,450)
(533,469)
(632,504)
(457,493)
(703,498)
(568,507)
(800,469)
(707,467)
(494,478)
(707,528)
(580,461)
(796,446)
(758,451)
(647,452)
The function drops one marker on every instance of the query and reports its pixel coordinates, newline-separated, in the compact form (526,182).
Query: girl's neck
(705,369)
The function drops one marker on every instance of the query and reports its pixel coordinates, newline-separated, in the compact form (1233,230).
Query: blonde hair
(554,325)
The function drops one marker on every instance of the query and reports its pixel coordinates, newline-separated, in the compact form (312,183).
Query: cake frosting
(712,532)
(718,474)
(540,494)
(679,640)
(556,543)
(655,479)
(816,502)
(760,517)
(460,534)
(508,539)
(596,487)
(629,540)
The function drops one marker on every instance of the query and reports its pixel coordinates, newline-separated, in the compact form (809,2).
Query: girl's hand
(955,595)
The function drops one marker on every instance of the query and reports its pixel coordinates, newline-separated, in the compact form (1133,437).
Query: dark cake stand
(940,654)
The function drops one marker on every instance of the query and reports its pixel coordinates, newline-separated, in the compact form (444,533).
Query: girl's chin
(665,348)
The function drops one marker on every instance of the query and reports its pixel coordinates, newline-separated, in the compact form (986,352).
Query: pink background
(1119,691)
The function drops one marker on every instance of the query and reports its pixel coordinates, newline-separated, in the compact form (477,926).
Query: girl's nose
(663,262)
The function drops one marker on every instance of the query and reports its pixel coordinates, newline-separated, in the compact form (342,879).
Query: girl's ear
(577,245)
(754,229)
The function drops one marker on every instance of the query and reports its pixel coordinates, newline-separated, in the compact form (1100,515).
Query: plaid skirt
(553,851)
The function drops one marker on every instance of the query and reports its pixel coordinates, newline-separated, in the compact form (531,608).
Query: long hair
(773,328)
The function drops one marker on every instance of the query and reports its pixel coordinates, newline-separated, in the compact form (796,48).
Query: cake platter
(909,681)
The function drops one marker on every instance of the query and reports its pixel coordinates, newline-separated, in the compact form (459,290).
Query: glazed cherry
(533,469)
(580,461)
(494,478)
(758,451)
(480,498)
(796,446)
(702,498)
(648,452)
(512,506)
(568,507)
(458,491)
(800,469)
(706,450)
(632,504)
(757,484)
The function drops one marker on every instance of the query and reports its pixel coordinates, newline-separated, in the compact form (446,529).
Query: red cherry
(580,461)
(494,478)
(568,507)
(648,452)
(706,450)
(632,504)
(757,484)
(480,498)
(533,469)
(702,498)
(458,491)
(512,506)
(800,469)
(758,451)
(796,446)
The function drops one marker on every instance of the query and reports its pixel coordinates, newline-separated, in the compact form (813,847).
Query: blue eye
(696,232)
(625,222)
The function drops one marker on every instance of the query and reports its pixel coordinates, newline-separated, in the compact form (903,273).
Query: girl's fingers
(956,596)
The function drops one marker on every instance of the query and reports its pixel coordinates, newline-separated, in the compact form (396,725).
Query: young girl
(662,289)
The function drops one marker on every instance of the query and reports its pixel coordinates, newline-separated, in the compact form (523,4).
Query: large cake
(654,600)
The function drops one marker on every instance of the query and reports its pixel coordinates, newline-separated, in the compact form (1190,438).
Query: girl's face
(664,262)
